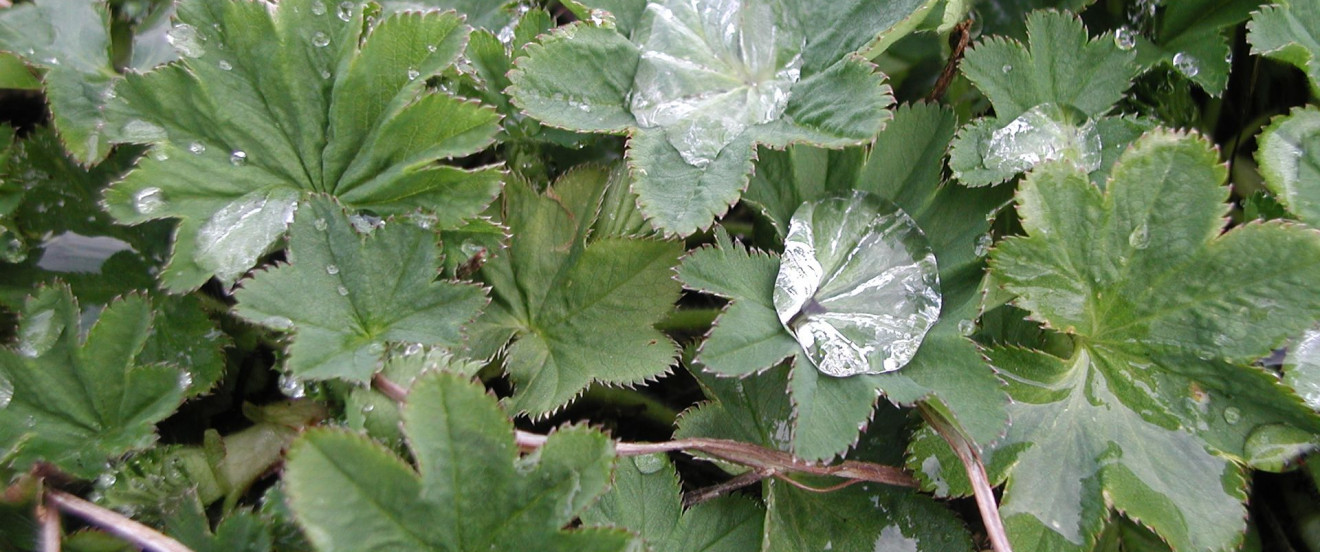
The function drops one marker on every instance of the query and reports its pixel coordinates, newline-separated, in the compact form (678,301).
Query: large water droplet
(238,158)
(1140,236)
(710,70)
(1046,132)
(185,40)
(857,286)
(1186,64)
(649,463)
(320,39)
(1125,38)
(148,200)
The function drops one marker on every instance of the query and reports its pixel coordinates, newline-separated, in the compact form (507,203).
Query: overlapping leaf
(473,492)
(697,85)
(749,338)
(1048,101)
(1289,30)
(72,42)
(75,396)
(1166,315)
(270,102)
(1192,37)
(646,499)
(579,305)
(347,295)
(1289,158)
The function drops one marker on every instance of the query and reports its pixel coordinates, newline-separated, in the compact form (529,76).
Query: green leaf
(1191,35)
(15,75)
(1289,158)
(1166,315)
(310,102)
(473,492)
(485,14)
(1008,17)
(71,42)
(1288,31)
(749,337)
(580,308)
(185,336)
(646,499)
(1061,66)
(74,396)
(766,72)
(868,516)
(348,295)
(379,415)
(1302,368)
(751,409)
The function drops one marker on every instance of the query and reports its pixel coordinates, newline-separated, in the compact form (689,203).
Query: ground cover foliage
(668,275)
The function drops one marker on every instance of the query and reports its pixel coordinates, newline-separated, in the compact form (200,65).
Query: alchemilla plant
(666,275)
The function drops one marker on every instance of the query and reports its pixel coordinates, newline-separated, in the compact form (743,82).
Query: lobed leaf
(347,295)
(273,102)
(348,493)
(1288,31)
(1289,159)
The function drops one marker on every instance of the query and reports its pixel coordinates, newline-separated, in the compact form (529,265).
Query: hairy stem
(112,522)
(981,487)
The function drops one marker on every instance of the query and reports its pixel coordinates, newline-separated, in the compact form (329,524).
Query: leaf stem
(981,488)
(136,533)
(49,518)
(746,454)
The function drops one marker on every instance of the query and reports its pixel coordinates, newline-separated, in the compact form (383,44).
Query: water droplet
(649,463)
(365,224)
(967,327)
(185,379)
(224,65)
(857,286)
(106,480)
(1046,132)
(1228,58)
(238,158)
(413,74)
(185,40)
(331,269)
(412,349)
(1006,69)
(197,148)
(292,387)
(343,291)
(431,48)
(345,11)
(325,73)
(1125,38)
(148,200)
(159,154)
(318,8)
(368,408)
(1140,236)
(6,391)
(320,39)
(743,40)
(1186,64)
(320,224)
(15,251)
(983,243)
(1232,415)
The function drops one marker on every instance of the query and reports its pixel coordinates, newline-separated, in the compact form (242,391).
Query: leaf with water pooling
(74,396)
(698,85)
(338,107)
(1166,314)
(347,296)
(858,286)
(471,491)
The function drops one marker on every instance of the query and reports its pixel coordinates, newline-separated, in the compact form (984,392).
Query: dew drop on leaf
(148,200)
(318,8)
(185,40)
(320,39)
(966,327)
(331,269)
(224,65)
(345,11)
(983,244)
(710,70)
(1125,38)
(1046,132)
(1186,64)
(1232,415)
(197,148)
(6,391)
(238,158)
(343,291)
(320,224)
(649,463)
(858,285)
(1006,69)
(413,74)
(1140,236)
(292,387)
